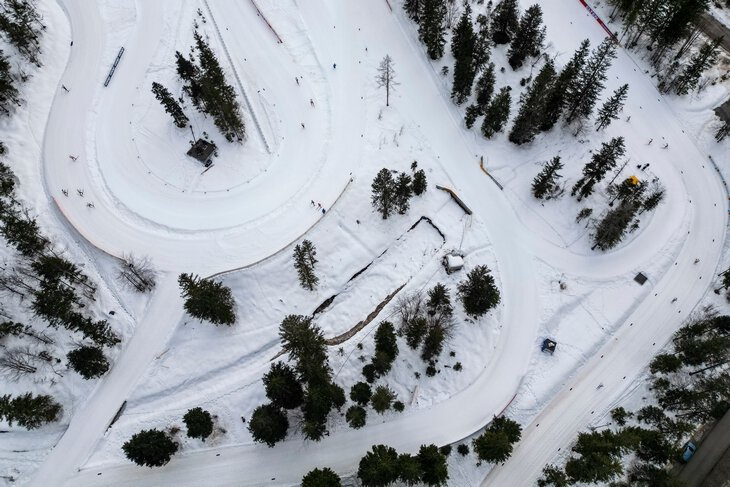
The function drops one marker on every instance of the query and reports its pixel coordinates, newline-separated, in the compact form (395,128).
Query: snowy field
(321,138)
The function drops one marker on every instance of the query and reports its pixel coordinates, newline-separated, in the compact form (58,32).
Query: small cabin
(548,345)
(453,263)
(202,150)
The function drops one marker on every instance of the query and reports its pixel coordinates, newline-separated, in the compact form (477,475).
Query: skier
(311,102)
(323,211)
(89,204)
(697,260)
(80,192)
(302,124)
(628,118)
(650,141)
(665,146)
(319,206)
(312,202)
(73,158)
(64,87)
(65,192)
(600,386)
(297,80)
(674,300)
(334,66)
(72,43)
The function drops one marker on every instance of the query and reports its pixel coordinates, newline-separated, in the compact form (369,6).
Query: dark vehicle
(688,450)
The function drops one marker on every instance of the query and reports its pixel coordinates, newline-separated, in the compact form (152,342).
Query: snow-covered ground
(250,208)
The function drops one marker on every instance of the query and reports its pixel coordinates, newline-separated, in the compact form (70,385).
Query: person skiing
(73,158)
(311,102)
(80,192)
(697,260)
(650,141)
(665,146)
(296,79)
(334,66)
(64,87)
(674,300)
(65,192)
(302,124)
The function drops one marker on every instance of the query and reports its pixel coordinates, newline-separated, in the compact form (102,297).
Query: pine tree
(495,444)
(21,231)
(478,293)
(383,193)
(582,94)
(171,105)
(386,77)
(556,99)
(496,115)
(485,89)
(379,467)
(321,477)
(611,108)
(29,411)
(463,44)
(206,299)
(532,106)
(305,343)
(551,475)
(529,38)
(545,185)
(601,162)
(382,399)
(483,47)
(403,192)
(356,417)
(434,470)
(199,423)
(9,94)
(282,386)
(433,343)
(150,448)
(432,30)
(268,424)
(419,182)
(723,131)
(189,73)
(690,76)
(471,115)
(21,25)
(89,362)
(505,21)
(612,228)
(360,393)
(439,301)
(304,262)
(413,9)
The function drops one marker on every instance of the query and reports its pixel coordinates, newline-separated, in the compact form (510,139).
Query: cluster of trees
(307,385)
(205,84)
(391,195)
(207,299)
(690,386)
(496,443)
(305,258)
(58,293)
(383,466)
(28,410)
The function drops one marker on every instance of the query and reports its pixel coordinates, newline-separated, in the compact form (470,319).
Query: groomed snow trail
(580,403)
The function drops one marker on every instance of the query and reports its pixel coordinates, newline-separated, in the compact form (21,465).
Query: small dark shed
(201,150)
(548,345)
(640,278)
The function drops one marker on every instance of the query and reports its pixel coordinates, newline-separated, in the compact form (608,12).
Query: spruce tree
(612,228)
(690,76)
(434,470)
(206,299)
(199,423)
(9,95)
(379,467)
(478,293)
(360,393)
(556,99)
(485,89)
(305,343)
(282,386)
(28,410)
(583,92)
(505,21)
(723,131)
(483,47)
(419,182)
(22,26)
(382,399)
(170,104)
(463,44)
(89,362)
(545,185)
(150,448)
(321,477)
(529,38)
(532,106)
(432,30)
(268,424)
(602,161)
(611,108)
(495,444)
(304,262)
(403,192)
(413,9)
(356,417)
(383,193)
(471,115)
(497,113)
(22,231)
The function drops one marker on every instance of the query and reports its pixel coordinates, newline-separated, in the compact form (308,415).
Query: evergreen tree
(385,341)
(463,44)
(199,423)
(170,104)
(551,475)
(383,193)
(305,258)
(583,92)
(470,116)
(612,228)
(23,233)
(415,330)
(268,424)
(478,293)
(89,362)
(722,132)
(485,89)
(432,28)
(495,444)
(189,73)
(600,457)
(439,301)
(282,387)
(305,343)
(21,26)
(9,94)
(505,21)
(356,417)
(361,393)
(611,108)
(434,470)
(419,182)
(529,38)
(601,162)
(379,467)
(690,76)
(150,448)
(321,477)
(402,193)
(483,47)
(382,399)
(496,115)
(433,343)
(556,99)
(28,410)
(532,106)
(206,299)
(545,185)
(410,469)
(413,9)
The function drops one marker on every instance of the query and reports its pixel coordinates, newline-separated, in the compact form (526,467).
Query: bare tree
(452,12)
(137,273)
(409,307)
(18,361)
(386,77)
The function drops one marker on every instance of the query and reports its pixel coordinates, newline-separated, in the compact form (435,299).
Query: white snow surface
(149,199)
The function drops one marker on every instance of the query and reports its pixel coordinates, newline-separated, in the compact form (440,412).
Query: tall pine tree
(602,161)
(532,106)
(556,98)
(485,89)
(529,38)
(383,193)
(304,262)
(611,108)
(207,299)
(496,115)
(505,21)
(463,44)
(170,104)
(432,29)
(583,93)
(689,77)
(545,185)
